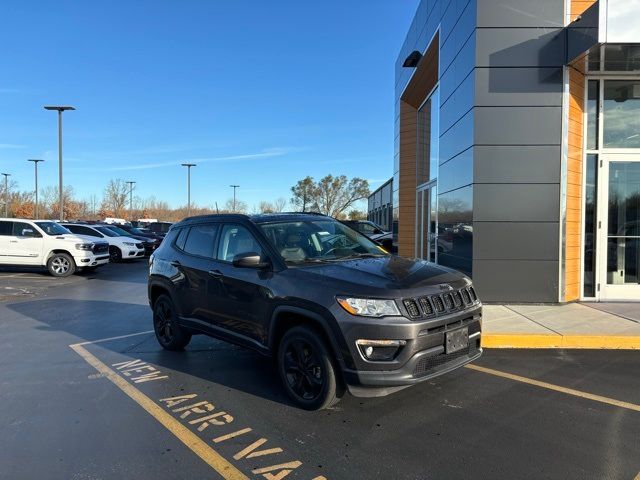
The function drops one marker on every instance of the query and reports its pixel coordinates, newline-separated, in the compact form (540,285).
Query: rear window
(5,228)
(201,240)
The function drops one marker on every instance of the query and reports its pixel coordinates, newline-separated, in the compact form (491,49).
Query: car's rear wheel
(61,265)
(168,331)
(115,254)
(307,370)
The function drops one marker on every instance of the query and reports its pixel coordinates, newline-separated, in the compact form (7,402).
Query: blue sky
(256,93)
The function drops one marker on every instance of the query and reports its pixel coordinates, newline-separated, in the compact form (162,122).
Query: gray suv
(335,311)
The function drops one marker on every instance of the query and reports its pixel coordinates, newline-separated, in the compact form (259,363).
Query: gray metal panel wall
(517,149)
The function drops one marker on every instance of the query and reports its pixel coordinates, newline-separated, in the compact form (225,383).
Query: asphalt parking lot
(87,393)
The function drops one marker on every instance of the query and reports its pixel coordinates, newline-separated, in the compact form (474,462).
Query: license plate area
(456,340)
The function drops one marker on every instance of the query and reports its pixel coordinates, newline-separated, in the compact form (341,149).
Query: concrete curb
(525,340)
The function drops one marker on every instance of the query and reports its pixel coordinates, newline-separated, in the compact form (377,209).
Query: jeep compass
(333,309)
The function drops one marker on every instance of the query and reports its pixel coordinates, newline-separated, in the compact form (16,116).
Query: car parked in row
(48,244)
(333,309)
(374,231)
(149,244)
(159,228)
(120,247)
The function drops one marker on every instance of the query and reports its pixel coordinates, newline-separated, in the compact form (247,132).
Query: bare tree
(241,207)
(280,204)
(303,193)
(116,194)
(265,207)
(331,195)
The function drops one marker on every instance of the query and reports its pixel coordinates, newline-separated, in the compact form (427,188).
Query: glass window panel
(594,58)
(592,114)
(621,58)
(623,235)
(590,210)
(621,114)
(455,229)
(434,142)
(236,240)
(201,240)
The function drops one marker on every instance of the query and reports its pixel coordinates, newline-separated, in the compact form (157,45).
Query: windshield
(107,231)
(318,240)
(118,230)
(52,228)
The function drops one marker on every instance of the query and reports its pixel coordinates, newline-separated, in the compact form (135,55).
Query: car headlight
(368,307)
(128,244)
(84,246)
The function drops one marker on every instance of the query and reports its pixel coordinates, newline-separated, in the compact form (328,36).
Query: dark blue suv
(335,310)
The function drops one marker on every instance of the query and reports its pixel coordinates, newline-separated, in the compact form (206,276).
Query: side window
(5,228)
(20,227)
(236,239)
(182,237)
(86,231)
(201,240)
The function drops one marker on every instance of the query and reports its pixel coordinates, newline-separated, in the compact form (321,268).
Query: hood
(75,238)
(385,276)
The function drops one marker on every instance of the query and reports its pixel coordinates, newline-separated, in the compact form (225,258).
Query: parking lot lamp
(188,165)
(60,109)
(35,164)
(6,194)
(131,184)
(234,196)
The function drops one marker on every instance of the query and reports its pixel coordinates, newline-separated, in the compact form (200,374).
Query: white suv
(48,244)
(120,248)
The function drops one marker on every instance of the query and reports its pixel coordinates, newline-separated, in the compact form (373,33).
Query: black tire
(115,255)
(168,331)
(61,265)
(307,370)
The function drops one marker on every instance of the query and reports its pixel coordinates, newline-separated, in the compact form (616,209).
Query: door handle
(175,263)
(13,241)
(216,273)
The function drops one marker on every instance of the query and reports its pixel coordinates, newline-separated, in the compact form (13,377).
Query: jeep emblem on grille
(445,287)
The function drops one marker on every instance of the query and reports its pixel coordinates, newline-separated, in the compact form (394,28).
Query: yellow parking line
(195,444)
(557,388)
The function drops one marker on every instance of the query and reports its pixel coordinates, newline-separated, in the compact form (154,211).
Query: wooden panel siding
(420,85)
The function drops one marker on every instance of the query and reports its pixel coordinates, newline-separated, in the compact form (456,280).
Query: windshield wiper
(359,255)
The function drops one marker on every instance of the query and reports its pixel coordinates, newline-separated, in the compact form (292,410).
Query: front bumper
(421,358)
(132,252)
(91,260)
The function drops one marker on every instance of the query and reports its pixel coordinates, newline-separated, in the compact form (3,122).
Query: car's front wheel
(115,254)
(61,265)
(306,368)
(169,333)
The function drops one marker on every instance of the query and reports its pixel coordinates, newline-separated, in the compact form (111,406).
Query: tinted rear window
(201,240)
(5,228)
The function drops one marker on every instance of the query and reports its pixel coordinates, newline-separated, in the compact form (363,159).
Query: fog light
(380,350)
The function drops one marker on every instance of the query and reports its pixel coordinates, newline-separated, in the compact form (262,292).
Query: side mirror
(377,231)
(249,260)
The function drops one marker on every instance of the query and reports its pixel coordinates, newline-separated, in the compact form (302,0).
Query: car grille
(441,304)
(427,364)
(100,248)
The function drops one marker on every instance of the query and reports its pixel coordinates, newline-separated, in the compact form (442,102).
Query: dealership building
(517,146)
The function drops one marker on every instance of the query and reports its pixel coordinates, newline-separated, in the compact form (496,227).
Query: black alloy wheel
(306,369)
(169,333)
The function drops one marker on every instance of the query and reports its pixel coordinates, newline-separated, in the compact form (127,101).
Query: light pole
(6,194)
(188,165)
(131,184)
(60,109)
(35,164)
(234,196)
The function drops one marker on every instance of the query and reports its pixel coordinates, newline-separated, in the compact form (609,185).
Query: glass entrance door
(427,223)
(619,227)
